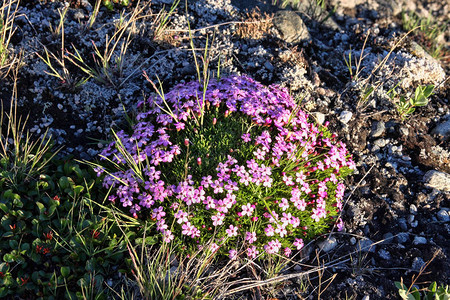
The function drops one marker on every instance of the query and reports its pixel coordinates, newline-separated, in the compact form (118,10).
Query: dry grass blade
(8,13)
(256,26)
(21,157)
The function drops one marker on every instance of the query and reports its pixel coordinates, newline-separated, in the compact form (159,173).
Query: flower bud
(214,121)
(186,142)
(199,161)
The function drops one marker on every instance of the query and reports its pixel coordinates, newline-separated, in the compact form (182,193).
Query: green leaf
(41,207)
(13,244)
(4,208)
(64,182)
(18,203)
(65,272)
(78,189)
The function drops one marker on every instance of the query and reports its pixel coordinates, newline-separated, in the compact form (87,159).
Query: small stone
(413,209)
(402,237)
(387,238)
(419,240)
(437,180)
(366,297)
(414,224)
(366,245)
(291,26)
(404,131)
(378,129)
(352,240)
(417,263)
(320,117)
(380,143)
(443,215)
(384,254)
(443,130)
(410,219)
(269,66)
(345,116)
(328,244)
(403,224)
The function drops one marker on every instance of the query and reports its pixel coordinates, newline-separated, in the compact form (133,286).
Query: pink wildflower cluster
(281,185)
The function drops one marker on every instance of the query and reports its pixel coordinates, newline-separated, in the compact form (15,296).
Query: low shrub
(233,161)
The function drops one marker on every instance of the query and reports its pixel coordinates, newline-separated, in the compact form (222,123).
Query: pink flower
(247,209)
(246,137)
(318,213)
(298,243)
(250,237)
(287,251)
(168,236)
(269,230)
(214,247)
(218,219)
(284,204)
(252,252)
(340,225)
(232,231)
(158,213)
(233,254)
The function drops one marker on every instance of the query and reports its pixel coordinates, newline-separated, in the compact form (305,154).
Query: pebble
(410,219)
(417,263)
(384,254)
(402,223)
(320,117)
(387,238)
(437,180)
(345,116)
(443,215)
(380,142)
(269,66)
(366,245)
(328,244)
(404,131)
(352,240)
(419,240)
(443,129)
(366,297)
(413,209)
(378,129)
(402,237)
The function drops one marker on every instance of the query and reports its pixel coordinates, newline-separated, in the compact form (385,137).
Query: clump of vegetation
(229,160)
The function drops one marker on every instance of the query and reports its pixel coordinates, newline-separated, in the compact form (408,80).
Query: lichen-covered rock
(437,180)
(291,27)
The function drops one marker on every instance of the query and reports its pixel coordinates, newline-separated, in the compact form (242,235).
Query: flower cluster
(238,162)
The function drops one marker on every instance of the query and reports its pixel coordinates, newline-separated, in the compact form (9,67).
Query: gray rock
(419,240)
(404,131)
(380,143)
(413,209)
(443,129)
(320,117)
(437,180)
(268,66)
(384,254)
(417,263)
(345,116)
(291,27)
(328,244)
(366,245)
(402,223)
(366,297)
(387,238)
(402,237)
(378,129)
(410,219)
(443,215)
(352,240)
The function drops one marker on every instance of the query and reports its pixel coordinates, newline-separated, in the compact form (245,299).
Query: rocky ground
(397,212)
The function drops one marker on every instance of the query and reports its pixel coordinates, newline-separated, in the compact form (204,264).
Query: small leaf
(65,272)
(4,208)
(13,244)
